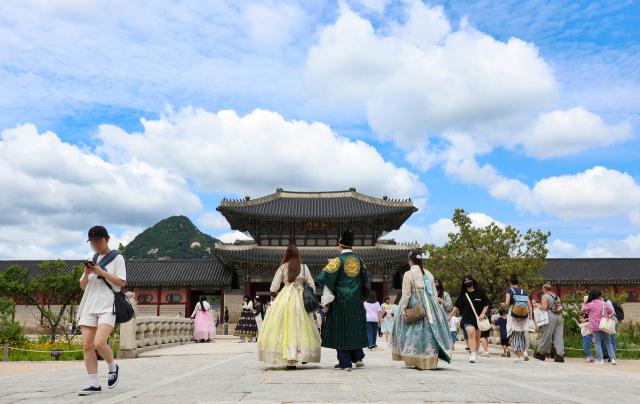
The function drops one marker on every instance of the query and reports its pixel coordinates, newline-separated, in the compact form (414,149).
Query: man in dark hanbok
(346,328)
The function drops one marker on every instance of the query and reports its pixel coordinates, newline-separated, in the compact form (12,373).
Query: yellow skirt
(289,335)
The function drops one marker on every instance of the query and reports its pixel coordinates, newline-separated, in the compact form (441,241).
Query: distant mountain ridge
(175,238)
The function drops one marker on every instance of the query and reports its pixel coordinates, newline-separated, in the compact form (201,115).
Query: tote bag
(483,325)
(542,317)
(607,324)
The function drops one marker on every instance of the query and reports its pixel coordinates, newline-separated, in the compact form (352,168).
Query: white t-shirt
(372,310)
(98,298)
(452,323)
(584,329)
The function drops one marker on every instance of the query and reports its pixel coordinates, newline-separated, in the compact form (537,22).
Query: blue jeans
(454,335)
(372,332)
(602,337)
(586,343)
(612,338)
(464,333)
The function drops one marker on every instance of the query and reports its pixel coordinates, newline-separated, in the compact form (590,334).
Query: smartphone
(585,298)
(88,263)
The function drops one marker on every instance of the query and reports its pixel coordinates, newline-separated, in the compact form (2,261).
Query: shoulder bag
(483,325)
(121,306)
(607,324)
(417,312)
(311,303)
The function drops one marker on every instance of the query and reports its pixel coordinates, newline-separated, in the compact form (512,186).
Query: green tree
(490,254)
(121,248)
(9,330)
(52,292)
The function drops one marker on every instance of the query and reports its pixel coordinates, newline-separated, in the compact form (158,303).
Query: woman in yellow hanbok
(289,335)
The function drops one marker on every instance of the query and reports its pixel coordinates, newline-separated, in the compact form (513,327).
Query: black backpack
(618,310)
(121,306)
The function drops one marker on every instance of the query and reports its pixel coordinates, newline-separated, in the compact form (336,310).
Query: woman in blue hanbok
(424,341)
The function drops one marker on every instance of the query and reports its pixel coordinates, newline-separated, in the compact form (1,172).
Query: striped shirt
(594,308)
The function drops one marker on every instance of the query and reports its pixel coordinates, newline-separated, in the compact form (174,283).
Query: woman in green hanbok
(424,341)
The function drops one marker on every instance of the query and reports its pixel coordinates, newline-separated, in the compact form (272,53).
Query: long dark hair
(594,294)
(463,289)
(398,297)
(372,297)
(202,299)
(293,261)
(413,256)
(439,288)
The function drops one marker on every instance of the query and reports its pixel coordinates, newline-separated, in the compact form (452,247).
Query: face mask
(468,284)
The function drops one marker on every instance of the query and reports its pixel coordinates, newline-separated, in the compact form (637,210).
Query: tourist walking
(105,275)
(612,337)
(520,312)
(554,331)
(471,301)
(420,341)
(258,312)
(587,336)
(596,309)
(443,298)
(342,297)
(374,318)
(290,334)
(504,337)
(453,328)
(226,320)
(203,328)
(387,318)
(246,327)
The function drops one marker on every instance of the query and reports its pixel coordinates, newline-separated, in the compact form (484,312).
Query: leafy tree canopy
(491,255)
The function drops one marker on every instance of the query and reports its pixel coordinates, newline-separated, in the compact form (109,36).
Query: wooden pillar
(221,304)
(558,291)
(187,311)
(159,294)
(247,288)
(385,288)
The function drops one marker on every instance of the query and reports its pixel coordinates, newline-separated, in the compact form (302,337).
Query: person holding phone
(95,314)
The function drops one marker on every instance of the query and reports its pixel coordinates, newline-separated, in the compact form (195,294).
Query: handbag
(417,312)
(121,306)
(483,325)
(607,324)
(311,303)
(541,316)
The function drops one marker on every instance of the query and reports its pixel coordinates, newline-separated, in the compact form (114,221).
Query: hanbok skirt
(259,322)
(387,325)
(203,326)
(289,335)
(246,326)
(421,343)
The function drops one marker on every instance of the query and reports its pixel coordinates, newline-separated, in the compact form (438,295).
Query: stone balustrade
(145,333)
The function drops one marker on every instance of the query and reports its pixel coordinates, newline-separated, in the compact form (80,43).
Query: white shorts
(93,319)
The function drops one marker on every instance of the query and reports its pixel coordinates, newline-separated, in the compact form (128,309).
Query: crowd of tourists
(420,327)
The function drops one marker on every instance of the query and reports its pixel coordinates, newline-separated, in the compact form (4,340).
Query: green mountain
(173,238)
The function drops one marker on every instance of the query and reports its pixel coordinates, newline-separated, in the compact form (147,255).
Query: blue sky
(121,113)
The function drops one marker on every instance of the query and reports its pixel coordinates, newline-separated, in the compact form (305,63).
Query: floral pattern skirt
(421,343)
(289,335)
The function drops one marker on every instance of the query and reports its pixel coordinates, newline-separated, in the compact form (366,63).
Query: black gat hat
(347,237)
(97,232)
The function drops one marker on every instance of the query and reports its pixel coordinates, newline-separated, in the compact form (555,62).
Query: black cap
(97,232)
(347,237)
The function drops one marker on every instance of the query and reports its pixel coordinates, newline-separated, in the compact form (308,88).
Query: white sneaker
(485,354)
(613,362)
(600,362)
(518,360)
(473,359)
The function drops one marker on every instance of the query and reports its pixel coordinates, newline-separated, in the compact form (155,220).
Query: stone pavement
(226,371)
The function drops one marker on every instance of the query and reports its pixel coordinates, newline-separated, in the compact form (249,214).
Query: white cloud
(376,5)
(257,153)
(597,192)
(421,77)
(213,220)
(559,133)
(599,248)
(274,24)
(53,192)
(233,236)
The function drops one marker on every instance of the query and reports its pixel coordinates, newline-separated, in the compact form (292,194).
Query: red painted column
(159,294)
(385,288)
(247,288)
(187,311)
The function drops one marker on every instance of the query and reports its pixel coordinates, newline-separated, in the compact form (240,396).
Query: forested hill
(172,238)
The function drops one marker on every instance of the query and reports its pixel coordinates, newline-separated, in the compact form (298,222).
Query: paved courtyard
(226,371)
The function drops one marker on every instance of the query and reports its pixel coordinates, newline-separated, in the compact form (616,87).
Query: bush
(10,331)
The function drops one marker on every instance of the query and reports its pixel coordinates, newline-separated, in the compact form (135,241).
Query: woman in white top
(95,314)
(203,328)
(289,335)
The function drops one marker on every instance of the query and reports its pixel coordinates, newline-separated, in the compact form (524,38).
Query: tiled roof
(153,272)
(317,205)
(312,255)
(592,270)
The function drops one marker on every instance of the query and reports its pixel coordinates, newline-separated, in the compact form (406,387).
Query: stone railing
(143,334)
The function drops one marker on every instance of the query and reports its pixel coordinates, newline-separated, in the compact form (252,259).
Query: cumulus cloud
(54,191)
(213,220)
(628,247)
(273,24)
(233,236)
(257,153)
